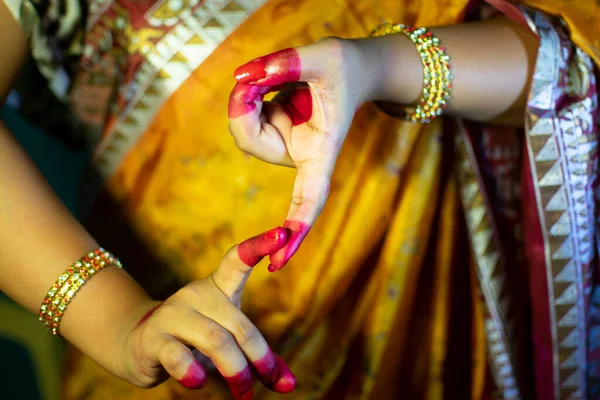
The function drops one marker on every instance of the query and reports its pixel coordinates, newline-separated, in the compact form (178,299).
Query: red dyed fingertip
(253,250)
(195,377)
(274,373)
(252,71)
(274,69)
(267,368)
(242,98)
(298,106)
(240,384)
(286,381)
(297,231)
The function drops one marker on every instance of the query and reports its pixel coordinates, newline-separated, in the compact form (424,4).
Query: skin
(307,132)
(111,319)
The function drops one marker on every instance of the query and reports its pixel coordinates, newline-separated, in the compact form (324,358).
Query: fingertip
(252,71)
(271,70)
(276,263)
(241,100)
(296,232)
(251,251)
(195,377)
(286,383)
(278,237)
(241,385)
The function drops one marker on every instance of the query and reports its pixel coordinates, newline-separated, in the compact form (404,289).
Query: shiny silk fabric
(452,261)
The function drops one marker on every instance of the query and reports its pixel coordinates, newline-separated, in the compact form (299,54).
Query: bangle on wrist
(437,74)
(65,288)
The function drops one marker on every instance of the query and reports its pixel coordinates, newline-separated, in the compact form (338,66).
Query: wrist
(130,343)
(101,316)
(390,68)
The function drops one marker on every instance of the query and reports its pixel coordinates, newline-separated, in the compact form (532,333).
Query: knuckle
(231,255)
(187,295)
(174,358)
(338,49)
(304,201)
(242,143)
(246,334)
(218,339)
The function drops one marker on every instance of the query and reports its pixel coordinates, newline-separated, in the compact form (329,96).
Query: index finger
(235,267)
(311,189)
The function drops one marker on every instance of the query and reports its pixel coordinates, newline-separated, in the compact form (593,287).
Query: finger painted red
(286,381)
(195,377)
(240,384)
(242,98)
(271,70)
(253,250)
(274,373)
(297,231)
(299,106)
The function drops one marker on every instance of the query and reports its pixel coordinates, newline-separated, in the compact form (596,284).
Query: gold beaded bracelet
(437,75)
(64,289)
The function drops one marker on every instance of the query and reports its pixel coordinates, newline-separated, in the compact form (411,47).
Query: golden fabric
(382,284)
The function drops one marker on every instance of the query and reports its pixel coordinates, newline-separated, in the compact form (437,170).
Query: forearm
(39,240)
(492,63)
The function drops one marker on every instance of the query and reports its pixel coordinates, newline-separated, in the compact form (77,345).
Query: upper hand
(204,317)
(304,127)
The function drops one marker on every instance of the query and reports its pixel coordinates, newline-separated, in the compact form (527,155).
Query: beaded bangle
(437,76)
(64,289)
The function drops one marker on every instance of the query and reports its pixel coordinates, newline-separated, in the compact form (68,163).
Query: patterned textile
(453,260)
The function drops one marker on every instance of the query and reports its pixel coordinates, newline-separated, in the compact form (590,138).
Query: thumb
(305,64)
(311,190)
(234,270)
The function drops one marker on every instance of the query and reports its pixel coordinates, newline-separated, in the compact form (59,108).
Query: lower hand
(204,317)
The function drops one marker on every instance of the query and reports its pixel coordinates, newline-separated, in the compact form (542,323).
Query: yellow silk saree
(464,257)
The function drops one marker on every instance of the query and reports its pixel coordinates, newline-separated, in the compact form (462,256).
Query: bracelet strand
(437,74)
(65,288)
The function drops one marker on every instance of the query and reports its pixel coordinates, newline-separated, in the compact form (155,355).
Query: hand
(320,88)
(205,316)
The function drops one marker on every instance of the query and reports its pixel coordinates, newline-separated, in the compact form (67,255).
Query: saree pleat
(452,261)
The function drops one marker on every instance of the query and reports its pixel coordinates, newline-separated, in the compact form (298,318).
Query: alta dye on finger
(253,250)
(277,68)
(195,377)
(297,231)
(148,315)
(240,384)
(299,106)
(275,373)
(286,381)
(242,98)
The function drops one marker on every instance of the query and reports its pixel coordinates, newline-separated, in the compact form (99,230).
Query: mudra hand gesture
(304,127)
(205,316)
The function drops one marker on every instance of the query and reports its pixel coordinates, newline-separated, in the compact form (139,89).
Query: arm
(305,127)
(111,319)
(39,239)
(492,64)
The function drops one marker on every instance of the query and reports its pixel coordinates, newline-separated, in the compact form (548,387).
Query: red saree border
(558,187)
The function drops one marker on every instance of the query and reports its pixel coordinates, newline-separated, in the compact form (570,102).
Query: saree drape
(465,254)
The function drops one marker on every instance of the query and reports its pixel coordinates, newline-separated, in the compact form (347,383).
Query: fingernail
(276,234)
(297,231)
(273,268)
(250,72)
